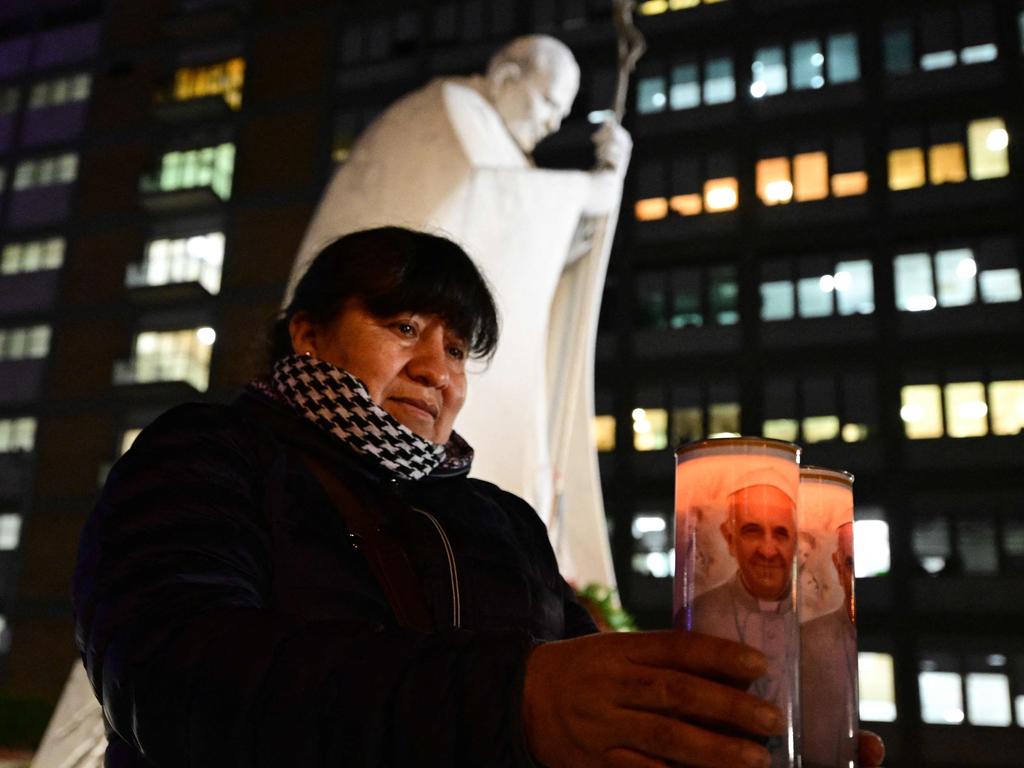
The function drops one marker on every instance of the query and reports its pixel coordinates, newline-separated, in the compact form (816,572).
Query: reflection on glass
(921,411)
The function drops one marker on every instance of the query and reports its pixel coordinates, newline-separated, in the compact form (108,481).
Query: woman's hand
(870,748)
(646,700)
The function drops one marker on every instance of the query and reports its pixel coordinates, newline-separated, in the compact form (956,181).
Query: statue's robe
(441,160)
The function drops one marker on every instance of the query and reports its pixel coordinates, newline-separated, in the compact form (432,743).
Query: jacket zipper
(453,571)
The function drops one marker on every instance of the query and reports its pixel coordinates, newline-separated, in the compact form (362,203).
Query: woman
(235,608)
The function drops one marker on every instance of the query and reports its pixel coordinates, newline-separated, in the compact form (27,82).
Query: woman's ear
(303,332)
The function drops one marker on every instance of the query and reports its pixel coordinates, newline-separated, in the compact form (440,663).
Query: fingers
(871,749)
(698,700)
(692,652)
(685,744)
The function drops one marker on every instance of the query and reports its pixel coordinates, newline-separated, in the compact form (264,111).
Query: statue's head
(532,82)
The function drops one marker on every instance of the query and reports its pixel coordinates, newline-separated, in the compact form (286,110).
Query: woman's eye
(406,329)
(457,353)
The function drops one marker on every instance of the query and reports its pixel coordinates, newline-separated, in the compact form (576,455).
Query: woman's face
(412,364)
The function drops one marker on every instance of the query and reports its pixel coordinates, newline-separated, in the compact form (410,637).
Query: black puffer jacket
(226,619)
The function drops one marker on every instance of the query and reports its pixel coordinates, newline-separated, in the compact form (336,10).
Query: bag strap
(387,559)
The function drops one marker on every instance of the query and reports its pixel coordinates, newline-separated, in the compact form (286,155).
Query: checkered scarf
(337,402)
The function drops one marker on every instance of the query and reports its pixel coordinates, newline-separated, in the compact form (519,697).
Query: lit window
(808,63)
(773,181)
(843,59)
(651,209)
(650,429)
(721,194)
(181,260)
(988,699)
(938,60)
(814,295)
(719,82)
(211,167)
(1000,285)
(33,256)
(46,171)
(810,176)
(602,431)
(650,95)
(854,433)
(941,697)
(819,429)
(871,552)
(169,356)
(686,289)
(723,295)
(223,79)
(781,429)
(689,205)
(914,291)
(653,7)
(1006,399)
(653,554)
(854,287)
(877,689)
(128,438)
(684,92)
(946,163)
(687,424)
(849,184)
(976,545)
(28,343)
(61,90)
(966,410)
(10,531)
(954,272)
(921,411)
(723,419)
(777,300)
(987,141)
(769,72)
(17,434)
(906,168)
(978,54)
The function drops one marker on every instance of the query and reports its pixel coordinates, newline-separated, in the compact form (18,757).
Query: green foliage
(604,600)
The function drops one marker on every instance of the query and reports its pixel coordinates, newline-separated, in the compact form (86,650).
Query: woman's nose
(429,363)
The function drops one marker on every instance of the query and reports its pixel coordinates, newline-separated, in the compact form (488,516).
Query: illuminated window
(8,101)
(687,424)
(602,431)
(210,167)
(810,176)
(1000,285)
(61,90)
(818,429)
(652,536)
(684,92)
(854,433)
(650,429)
(721,195)
(931,545)
(181,260)
(653,7)
(871,552)
(774,184)
(1006,400)
(723,295)
(946,163)
(988,698)
(32,256)
(719,81)
(781,429)
(777,300)
(849,184)
(28,343)
(966,410)
(906,168)
(808,64)
(921,411)
(223,79)
(686,306)
(650,95)
(769,72)
(17,434)
(46,171)
(651,209)
(955,271)
(940,691)
(976,545)
(10,531)
(723,419)
(843,60)
(854,287)
(987,141)
(814,295)
(914,290)
(876,687)
(689,205)
(182,355)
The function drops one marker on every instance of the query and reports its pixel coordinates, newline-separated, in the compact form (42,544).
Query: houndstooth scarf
(337,402)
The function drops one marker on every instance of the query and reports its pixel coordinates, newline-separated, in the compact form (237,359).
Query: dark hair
(393,270)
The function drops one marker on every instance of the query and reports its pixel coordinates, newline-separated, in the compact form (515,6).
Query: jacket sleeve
(193,667)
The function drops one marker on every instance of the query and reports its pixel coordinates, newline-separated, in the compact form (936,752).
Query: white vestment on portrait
(441,160)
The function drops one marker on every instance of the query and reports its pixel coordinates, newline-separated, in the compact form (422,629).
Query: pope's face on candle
(761,533)
(842,559)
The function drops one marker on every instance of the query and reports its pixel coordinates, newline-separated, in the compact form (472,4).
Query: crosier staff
(572,357)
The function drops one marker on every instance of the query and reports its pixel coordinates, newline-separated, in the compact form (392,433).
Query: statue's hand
(613,145)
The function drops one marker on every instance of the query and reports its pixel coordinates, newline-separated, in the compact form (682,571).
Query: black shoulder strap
(388,561)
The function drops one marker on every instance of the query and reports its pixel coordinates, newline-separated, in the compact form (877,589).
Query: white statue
(454,158)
